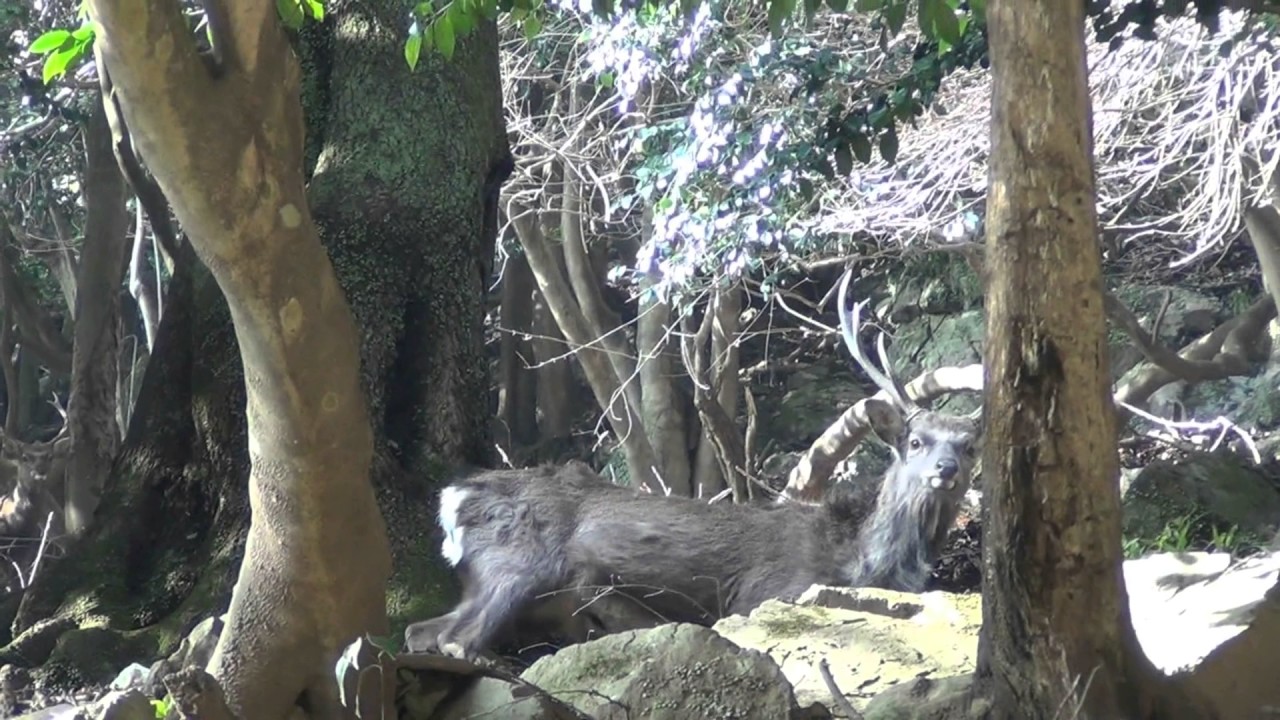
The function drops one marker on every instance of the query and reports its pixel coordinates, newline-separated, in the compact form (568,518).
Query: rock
(133,676)
(194,651)
(674,671)
(490,697)
(1216,490)
(927,699)
(871,639)
(61,711)
(1206,597)
(1239,675)
(814,397)
(122,705)
(14,678)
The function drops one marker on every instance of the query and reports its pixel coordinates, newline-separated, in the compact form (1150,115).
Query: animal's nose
(947,468)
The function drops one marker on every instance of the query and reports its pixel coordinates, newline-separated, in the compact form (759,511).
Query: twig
(1221,423)
(843,702)
(40,551)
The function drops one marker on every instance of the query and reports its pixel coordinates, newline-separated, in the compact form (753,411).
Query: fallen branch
(1221,424)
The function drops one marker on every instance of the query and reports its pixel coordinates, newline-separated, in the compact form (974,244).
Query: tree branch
(605,385)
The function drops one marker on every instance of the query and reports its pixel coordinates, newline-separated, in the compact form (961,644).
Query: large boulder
(871,639)
(671,672)
(1210,491)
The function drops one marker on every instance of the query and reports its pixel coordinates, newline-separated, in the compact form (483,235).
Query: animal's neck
(896,543)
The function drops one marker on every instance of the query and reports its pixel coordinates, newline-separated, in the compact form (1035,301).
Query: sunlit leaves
(413,46)
(294,12)
(62,49)
(442,27)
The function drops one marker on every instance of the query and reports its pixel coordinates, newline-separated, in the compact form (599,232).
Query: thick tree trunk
(228,155)
(410,222)
(1056,630)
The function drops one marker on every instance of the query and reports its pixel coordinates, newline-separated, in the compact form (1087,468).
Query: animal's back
(696,562)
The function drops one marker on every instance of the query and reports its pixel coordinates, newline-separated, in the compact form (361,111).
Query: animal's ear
(885,421)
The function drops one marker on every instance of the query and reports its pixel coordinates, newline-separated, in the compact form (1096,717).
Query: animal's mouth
(937,482)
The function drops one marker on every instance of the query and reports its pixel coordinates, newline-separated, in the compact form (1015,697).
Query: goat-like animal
(562,545)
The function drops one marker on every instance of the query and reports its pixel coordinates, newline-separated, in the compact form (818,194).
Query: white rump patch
(451,498)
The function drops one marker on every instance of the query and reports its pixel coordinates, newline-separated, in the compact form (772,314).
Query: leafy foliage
(63,49)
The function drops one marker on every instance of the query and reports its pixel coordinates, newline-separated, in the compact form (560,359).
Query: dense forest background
(390,242)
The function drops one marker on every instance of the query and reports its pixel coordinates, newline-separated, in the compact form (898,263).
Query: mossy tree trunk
(1057,640)
(406,169)
(410,222)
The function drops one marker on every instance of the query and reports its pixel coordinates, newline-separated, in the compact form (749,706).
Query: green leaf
(315,9)
(606,79)
(461,18)
(423,9)
(861,146)
(56,64)
(50,41)
(844,159)
(84,33)
(290,13)
(895,16)
(924,18)
(779,11)
(445,38)
(979,9)
(946,23)
(532,26)
(889,145)
(412,49)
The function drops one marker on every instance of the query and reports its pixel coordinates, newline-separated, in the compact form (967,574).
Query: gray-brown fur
(537,537)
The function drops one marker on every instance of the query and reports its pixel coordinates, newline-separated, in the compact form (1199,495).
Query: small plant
(1191,533)
(1134,548)
(1178,534)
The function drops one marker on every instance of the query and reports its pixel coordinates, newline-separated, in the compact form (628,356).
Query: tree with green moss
(353,258)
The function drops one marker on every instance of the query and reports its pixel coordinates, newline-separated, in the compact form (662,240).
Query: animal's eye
(970,449)
(914,443)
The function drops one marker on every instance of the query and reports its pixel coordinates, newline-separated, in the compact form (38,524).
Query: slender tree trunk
(142,281)
(727,308)
(555,386)
(518,407)
(91,411)
(1056,631)
(662,410)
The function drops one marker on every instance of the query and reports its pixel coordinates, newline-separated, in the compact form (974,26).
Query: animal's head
(935,453)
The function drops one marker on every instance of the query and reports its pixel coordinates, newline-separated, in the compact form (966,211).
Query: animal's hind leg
(494,604)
